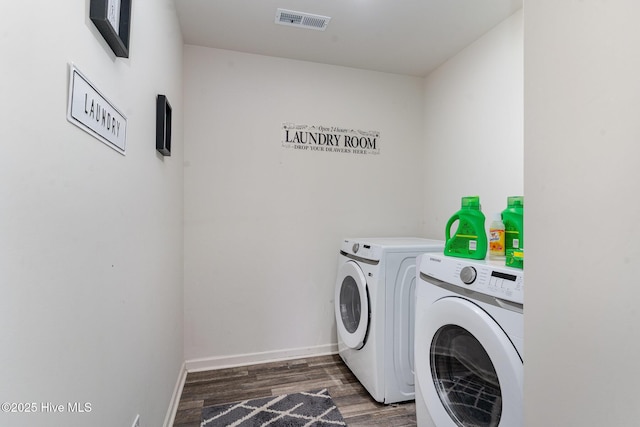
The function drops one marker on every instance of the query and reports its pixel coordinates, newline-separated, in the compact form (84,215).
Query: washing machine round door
(475,374)
(352,305)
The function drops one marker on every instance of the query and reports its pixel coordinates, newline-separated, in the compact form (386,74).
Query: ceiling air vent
(302,20)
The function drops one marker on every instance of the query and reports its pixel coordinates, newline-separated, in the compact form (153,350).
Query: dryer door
(475,374)
(352,305)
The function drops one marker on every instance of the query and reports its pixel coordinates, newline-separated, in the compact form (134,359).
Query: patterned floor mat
(311,409)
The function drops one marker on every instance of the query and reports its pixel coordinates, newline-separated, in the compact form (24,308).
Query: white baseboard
(175,398)
(220,362)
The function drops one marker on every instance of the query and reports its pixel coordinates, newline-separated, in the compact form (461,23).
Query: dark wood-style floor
(210,388)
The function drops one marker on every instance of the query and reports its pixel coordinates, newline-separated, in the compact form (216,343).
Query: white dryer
(375,312)
(469,343)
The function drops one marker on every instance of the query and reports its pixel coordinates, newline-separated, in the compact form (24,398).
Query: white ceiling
(410,37)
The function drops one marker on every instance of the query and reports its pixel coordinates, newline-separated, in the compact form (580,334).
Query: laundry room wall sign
(92,112)
(331,139)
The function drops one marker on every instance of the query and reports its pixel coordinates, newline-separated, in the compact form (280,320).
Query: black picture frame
(163,125)
(117,39)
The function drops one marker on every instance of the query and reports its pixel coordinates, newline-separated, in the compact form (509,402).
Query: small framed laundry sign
(163,125)
(95,114)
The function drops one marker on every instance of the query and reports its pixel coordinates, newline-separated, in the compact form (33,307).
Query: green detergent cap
(515,201)
(471,202)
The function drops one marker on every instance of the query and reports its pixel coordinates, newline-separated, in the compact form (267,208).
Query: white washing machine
(469,343)
(375,312)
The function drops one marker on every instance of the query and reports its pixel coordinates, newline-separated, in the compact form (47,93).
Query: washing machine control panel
(487,277)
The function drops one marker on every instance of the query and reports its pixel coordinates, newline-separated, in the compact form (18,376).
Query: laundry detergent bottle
(513,218)
(496,238)
(470,238)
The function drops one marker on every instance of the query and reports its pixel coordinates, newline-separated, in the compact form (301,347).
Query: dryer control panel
(372,249)
(487,277)
(362,249)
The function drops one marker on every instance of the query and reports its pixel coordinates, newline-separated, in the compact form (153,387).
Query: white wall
(473,128)
(263,223)
(91,247)
(582,94)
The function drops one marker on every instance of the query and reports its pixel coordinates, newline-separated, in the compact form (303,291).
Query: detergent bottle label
(496,241)
(512,239)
